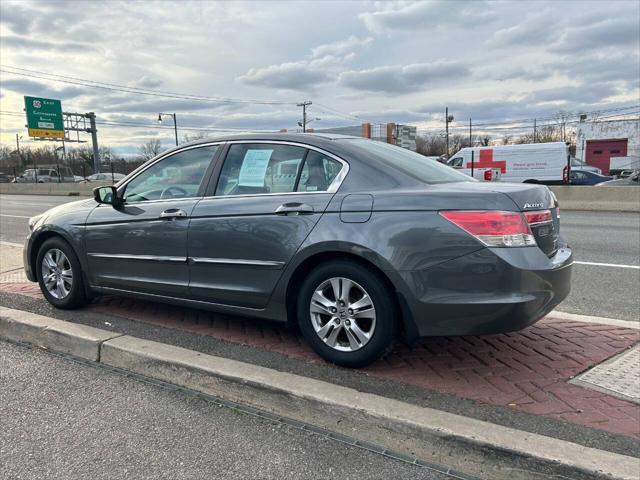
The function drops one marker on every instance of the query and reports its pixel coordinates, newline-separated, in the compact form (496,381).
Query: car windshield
(410,163)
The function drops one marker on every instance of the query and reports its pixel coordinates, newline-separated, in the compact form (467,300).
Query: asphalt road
(64,419)
(596,237)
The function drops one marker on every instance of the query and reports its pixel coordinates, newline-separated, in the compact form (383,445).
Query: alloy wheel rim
(57,274)
(342,314)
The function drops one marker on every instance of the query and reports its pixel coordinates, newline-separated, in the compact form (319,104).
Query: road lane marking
(617,265)
(13,216)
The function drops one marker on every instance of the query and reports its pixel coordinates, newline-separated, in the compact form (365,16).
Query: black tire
(383,336)
(76,296)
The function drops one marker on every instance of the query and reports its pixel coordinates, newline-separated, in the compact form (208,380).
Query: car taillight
(493,228)
(488,175)
(565,174)
(539,216)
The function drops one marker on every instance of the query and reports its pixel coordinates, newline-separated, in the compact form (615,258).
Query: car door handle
(294,208)
(172,214)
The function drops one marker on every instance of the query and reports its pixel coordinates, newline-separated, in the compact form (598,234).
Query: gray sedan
(358,242)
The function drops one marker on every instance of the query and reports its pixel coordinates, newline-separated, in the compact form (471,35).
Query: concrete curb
(70,338)
(410,429)
(574,317)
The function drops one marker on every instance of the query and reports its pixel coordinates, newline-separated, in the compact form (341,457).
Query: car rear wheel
(60,274)
(346,313)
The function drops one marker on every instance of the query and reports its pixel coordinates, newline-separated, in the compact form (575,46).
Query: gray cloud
(292,76)
(614,67)
(571,95)
(321,66)
(26,43)
(399,79)
(341,47)
(146,82)
(606,33)
(24,86)
(431,15)
(17,18)
(539,29)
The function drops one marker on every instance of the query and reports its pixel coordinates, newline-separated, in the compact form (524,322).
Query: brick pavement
(528,370)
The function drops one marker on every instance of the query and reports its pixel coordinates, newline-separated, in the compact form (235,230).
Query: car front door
(142,245)
(267,199)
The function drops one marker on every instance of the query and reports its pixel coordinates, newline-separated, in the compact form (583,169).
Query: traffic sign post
(44,117)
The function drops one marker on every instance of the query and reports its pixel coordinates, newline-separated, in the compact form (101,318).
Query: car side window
(260,168)
(456,162)
(176,176)
(318,172)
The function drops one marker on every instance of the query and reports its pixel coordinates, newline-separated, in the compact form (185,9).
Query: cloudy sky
(246,65)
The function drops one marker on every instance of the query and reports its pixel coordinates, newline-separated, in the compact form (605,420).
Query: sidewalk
(528,371)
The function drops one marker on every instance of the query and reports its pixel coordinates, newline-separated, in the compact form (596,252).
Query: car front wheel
(346,313)
(60,275)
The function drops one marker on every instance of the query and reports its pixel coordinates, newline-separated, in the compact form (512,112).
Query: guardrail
(71,189)
(602,199)
(615,199)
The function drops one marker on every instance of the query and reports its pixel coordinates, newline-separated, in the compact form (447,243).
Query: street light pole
(175,123)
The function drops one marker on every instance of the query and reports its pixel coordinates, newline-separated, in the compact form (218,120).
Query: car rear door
(142,245)
(260,207)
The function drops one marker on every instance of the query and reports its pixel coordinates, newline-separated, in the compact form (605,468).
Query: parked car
(545,163)
(106,177)
(622,166)
(632,180)
(578,165)
(46,175)
(5,177)
(366,243)
(578,177)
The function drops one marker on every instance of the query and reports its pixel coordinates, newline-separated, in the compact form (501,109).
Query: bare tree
(191,138)
(150,149)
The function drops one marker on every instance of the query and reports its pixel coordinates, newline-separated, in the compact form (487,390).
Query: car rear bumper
(493,290)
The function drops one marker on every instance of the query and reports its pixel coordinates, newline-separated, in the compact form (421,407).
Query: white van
(546,163)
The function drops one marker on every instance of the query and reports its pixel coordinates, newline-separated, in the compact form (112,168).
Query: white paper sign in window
(254,168)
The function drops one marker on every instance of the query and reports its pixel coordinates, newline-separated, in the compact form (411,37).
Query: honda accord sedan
(358,242)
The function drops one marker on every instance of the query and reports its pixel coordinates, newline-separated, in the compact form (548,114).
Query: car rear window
(408,162)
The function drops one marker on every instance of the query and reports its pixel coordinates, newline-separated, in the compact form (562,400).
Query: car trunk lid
(535,201)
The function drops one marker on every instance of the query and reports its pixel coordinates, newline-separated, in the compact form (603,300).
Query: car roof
(313,139)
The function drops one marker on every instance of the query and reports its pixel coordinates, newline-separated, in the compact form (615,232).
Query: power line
(526,121)
(525,127)
(555,116)
(161,127)
(339,113)
(137,90)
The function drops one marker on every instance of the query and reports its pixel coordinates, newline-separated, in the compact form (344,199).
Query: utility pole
(535,132)
(94,139)
(304,106)
(447,120)
(470,137)
(55,154)
(20,160)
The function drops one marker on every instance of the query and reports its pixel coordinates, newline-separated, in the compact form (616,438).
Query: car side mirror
(107,195)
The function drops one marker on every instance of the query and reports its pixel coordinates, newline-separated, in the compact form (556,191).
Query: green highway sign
(44,117)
